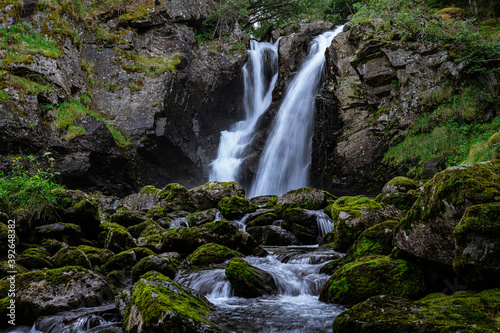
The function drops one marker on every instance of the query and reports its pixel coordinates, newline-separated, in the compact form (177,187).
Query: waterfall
(285,162)
(260,74)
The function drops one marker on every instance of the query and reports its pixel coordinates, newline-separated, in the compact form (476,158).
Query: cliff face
(152,99)
(377,88)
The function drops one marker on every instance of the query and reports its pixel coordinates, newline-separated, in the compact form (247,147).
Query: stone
(208,195)
(248,281)
(235,207)
(433,166)
(399,184)
(162,264)
(118,240)
(71,256)
(205,216)
(126,260)
(308,198)
(211,253)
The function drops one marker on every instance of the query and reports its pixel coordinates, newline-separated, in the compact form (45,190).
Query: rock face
(375,90)
(427,230)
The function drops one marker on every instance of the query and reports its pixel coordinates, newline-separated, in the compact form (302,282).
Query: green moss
(402,201)
(263,220)
(480,219)
(71,256)
(164,265)
(236,207)
(211,253)
(373,275)
(246,280)
(4,96)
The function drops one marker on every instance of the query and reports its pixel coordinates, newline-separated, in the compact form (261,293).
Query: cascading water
(284,164)
(260,74)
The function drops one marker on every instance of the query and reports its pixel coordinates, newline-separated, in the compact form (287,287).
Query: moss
(247,281)
(211,253)
(96,255)
(402,184)
(236,207)
(149,190)
(178,196)
(156,212)
(480,219)
(126,260)
(34,258)
(373,275)
(262,220)
(402,201)
(71,256)
(156,297)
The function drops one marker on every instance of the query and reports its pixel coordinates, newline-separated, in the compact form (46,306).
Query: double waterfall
(285,161)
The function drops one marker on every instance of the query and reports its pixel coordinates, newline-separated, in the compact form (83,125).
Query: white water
(296,308)
(325,223)
(284,164)
(260,74)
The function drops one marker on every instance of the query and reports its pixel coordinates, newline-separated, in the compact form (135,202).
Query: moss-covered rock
(211,253)
(236,207)
(427,229)
(186,240)
(46,292)
(71,256)
(118,240)
(248,281)
(370,276)
(249,246)
(165,265)
(128,218)
(352,215)
(199,218)
(307,197)
(400,185)
(208,195)
(35,258)
(477,240)
(402,201)
(96,255)
(175,197)
(6,267)
(262,220)
(463,311)
(65,232)
(126,260)
(155,303)
(273,235)
(450,15)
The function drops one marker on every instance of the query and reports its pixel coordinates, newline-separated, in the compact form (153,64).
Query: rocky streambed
(418,257)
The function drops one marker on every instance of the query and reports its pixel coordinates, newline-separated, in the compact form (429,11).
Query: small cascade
(260,74)
(211,283)
(284,164)
(325,223)
(179,222)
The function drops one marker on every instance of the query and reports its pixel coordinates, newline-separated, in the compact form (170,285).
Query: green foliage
(67,114)
(31,191)
(154,66)
(21,42)
(73,132)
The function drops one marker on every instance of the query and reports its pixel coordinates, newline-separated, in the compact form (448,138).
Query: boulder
(248,281)
(307,197)
(352,215)
(175,197)
(249,246)
(205,216)
(235,207)
(162,264)
(211,253)
(71,256)
(47,292)
(35,258)
(477,245)
(370,276)
(155,303)
(399,184)
(273,235)
(427,229)
(463,311)
(433,166)
(208,195)
(262,220)
(96,255)
(186,240)
(127,218)
(118,240)
(402,201)
(126,260)
(65,232)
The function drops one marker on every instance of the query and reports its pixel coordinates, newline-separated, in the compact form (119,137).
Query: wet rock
(186,240)
(96,255)
(399,184)
(249,246)
(273,235)
(208,195)
(65,232)
(211,253)
(248,281)
(118,239)
(462,311)
(477,245)
(157,304)
(427,230)
(142,201)
(370,276)
(35,258)
(40,293)
(128,218)
(162,264)
(262,220)
(402,201)
(205,216)
(126,260)
(175,197)
(235,207)
(433,166)
(308,198)
(71,256)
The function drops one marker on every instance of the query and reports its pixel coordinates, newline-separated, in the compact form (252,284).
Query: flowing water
(260,74)
(284,164)
(295,270)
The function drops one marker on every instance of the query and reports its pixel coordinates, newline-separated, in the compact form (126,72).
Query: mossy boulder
(248,281)
(142,201)
(370,276)
(262,220)
(400,185)
(65,232)
(236,207)
(46,292)
(352,215)
(402,201)
(35,258)
(450,15)
(273,235)
(463,311)
(186,240)
(249,246)
(205,216)
(71,256)
(155,303)
(427,229)
(175,197)
(127,218)
(376,240)
(307,197)
(211,253)
(477,241)
(96,255)
(79,208)
(126,260)
(208,195)
(162,264)
(148,234)
(118,240)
